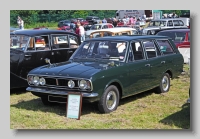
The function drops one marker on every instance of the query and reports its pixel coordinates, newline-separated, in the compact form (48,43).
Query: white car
(97,27)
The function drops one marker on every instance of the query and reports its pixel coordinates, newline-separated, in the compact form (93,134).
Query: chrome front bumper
(59,92)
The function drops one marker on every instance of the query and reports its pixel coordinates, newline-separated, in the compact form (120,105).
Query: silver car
(163,24)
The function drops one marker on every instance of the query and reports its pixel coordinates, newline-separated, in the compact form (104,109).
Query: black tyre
(164,84)
(109,100)
(48,103)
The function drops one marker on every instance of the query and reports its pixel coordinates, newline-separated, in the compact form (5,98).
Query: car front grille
(62,83)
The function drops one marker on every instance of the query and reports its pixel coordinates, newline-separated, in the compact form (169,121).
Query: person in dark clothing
(115,22)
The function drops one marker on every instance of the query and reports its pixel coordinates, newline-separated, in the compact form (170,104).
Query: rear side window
(165,47)
(169,23)
(151,49)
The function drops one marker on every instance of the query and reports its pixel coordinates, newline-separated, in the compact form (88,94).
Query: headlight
(42,81)
(36,80)
(152,32)
(30,79)
(83,84)
(71,84)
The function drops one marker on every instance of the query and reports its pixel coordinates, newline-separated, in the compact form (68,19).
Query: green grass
(147,110)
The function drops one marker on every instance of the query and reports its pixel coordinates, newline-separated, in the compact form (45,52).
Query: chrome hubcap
(165,83)
(111,100)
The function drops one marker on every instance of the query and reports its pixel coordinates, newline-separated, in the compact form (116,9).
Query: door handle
(147,65)
(69,51)
(28,55)
(162,62)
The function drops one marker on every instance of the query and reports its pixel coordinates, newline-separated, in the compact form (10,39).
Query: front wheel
(109,100)
(164,84)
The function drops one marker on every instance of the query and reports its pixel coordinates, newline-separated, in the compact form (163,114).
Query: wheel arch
(119,86)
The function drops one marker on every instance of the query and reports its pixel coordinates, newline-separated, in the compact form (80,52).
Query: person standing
(81,32)
(115,22)
(21,24)
(77,29)
(104,21)
(18,21)
(131,21)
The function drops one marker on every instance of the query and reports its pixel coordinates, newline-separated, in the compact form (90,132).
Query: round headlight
(71,84)
(42,81)
(30,79)
(36,80)
(83,84)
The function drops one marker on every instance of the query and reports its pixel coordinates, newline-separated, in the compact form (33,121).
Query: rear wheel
(109,100)
(164,84)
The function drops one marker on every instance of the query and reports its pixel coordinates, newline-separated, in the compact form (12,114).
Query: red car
(82,21)
(40,28)
(65,28)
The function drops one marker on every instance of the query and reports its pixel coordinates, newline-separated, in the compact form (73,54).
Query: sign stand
(74,105)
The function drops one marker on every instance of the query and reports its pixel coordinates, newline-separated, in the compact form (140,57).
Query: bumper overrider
(40,92)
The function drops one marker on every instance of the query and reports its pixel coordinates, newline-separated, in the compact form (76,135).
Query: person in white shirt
(81,32)
(18,21)
(21,24)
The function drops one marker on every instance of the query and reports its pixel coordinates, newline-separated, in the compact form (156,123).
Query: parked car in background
(29,48)
(97,27)
(92,19)
(82,21)
(107,69)
(66,28)
(109,20)
(113,32)
(165,23)
(40,28)
(64,23)
(181,38)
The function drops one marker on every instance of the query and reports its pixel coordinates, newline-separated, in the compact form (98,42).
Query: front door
(35,54)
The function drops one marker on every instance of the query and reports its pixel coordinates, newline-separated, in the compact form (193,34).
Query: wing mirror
(48,61)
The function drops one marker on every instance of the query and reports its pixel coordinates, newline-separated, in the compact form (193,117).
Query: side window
(137,50)
(165,47)
(105,26)
(60,41)
(73,41)
(176,23)
(41,43)
(169,23)
(181,23)
(151,49)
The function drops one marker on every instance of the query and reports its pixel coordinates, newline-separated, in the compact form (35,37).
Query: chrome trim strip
(57,92)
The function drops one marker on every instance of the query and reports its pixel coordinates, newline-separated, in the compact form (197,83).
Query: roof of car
(166,19)
(103,24)
(177,30)
(32,32)
(128,37)
(114,30)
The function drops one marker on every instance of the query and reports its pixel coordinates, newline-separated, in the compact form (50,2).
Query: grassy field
(147,110)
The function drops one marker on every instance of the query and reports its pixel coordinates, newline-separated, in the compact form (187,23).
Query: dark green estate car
(107,69)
